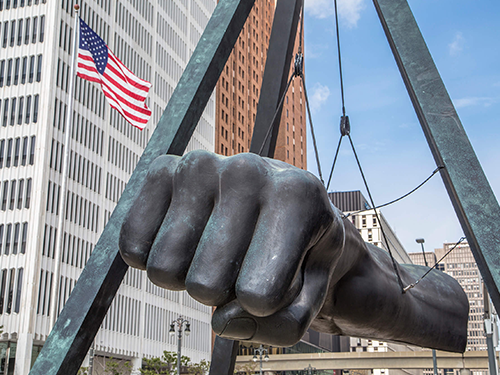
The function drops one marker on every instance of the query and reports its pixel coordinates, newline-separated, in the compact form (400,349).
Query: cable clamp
(298,64)
(345,127)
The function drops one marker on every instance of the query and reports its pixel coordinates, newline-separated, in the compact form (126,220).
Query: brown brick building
(238,93)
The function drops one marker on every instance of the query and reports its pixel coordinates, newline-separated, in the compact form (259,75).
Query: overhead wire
(280,104)
(340,58)
(312,134)
(299,71)
(401,197)
(334,162)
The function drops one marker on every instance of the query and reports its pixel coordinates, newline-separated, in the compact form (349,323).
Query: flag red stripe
(123,100)
(126,113)
(122,88)
(137,82)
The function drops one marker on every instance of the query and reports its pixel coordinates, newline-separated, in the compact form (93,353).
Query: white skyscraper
(155,40)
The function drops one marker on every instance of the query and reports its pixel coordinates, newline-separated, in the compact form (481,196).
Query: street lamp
(421,242)
(434,358)
(310,370)
(179,322)
(261,350)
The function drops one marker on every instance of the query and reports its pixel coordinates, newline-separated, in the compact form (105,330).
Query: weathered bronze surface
(79,321)
(274,82)
(259,239)
(475,204)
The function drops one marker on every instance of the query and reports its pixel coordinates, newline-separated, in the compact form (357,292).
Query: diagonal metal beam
(470,193)
(84,311)
(276,75)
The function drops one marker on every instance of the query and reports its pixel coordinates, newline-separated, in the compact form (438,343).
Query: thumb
(283,328)
(287,326)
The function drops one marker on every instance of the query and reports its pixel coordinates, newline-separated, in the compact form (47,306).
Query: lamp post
(310,370)
(180,321)
(421,242)
(261,350)
(434,359)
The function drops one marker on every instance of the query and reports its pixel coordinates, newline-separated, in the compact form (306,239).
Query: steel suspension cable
(413,285)
(394,264)
(403,196)
(312,132)
(271,125)
(334,162)
(340,58)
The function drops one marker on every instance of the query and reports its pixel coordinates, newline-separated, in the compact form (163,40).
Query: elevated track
(371,360)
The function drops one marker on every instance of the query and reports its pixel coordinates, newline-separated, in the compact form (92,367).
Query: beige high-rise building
(461,265)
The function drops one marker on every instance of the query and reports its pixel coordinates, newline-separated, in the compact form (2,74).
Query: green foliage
(83,371)
(117,367)
(199,368)
(246,368)
(167,365)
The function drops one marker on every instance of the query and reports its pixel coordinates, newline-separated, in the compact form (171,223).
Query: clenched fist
(259,239)
(253,236)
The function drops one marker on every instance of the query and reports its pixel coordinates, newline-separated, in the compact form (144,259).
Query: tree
(246,368)
(199,368)
(117,367)
(167,365)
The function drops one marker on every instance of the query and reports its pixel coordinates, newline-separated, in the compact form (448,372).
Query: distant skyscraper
(155,40)
(461,265)
(238,92)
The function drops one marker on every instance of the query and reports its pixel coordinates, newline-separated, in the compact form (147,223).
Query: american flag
(125,92)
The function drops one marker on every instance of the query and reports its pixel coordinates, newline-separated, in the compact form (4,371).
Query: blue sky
(463,37)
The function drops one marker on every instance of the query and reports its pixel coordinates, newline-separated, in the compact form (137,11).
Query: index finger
(147,212)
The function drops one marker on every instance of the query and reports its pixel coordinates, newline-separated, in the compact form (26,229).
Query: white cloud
(349,10)
(474,101)
(457,45)
(319,96)
(319,8)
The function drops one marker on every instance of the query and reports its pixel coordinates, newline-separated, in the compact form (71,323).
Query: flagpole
(64,176)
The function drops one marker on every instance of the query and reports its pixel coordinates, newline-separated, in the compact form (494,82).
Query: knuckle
(196,166)
(298,183)
(242,168)
(162,167)
(197,159)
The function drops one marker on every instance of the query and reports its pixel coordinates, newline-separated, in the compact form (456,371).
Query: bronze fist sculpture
(259,239)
